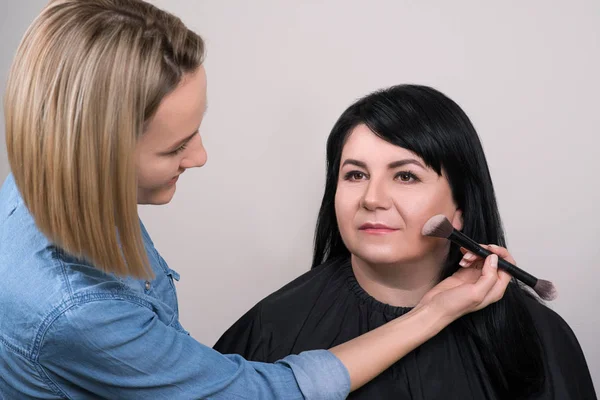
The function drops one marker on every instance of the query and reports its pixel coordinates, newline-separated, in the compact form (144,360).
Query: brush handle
(464,241)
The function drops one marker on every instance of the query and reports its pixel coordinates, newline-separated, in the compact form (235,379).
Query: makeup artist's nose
(196,156)
(376,196)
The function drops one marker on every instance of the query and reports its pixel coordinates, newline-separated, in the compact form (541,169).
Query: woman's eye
(355,176)
(406,176)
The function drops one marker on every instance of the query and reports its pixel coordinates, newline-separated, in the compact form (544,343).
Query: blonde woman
(103,108)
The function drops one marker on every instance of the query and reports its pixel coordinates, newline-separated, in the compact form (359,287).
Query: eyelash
(182,147)
(351,176)
(410,174)
(179,150)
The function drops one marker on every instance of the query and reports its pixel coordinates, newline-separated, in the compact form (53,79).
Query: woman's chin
(379,258)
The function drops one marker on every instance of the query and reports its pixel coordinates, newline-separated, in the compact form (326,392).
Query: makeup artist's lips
(376,228)
(173,181)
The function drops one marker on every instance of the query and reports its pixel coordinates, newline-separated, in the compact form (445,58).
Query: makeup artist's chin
(160,196)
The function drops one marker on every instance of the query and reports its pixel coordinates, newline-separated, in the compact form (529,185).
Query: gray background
(280,73)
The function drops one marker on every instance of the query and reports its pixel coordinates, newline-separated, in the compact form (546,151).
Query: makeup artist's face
(384,196)
(171,143)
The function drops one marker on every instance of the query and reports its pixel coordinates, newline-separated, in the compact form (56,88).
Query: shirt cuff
(319,374)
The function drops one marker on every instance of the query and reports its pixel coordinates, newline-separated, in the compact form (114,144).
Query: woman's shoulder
(545,318)
(552,328)
(569,375)
(308,286)
(269,325)
(556,335)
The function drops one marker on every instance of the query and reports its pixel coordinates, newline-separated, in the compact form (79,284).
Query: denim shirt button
(147,285)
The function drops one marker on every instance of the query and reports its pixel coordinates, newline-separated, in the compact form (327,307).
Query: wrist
(433,319)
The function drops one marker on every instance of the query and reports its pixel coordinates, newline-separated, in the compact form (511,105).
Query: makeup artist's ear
(457,220)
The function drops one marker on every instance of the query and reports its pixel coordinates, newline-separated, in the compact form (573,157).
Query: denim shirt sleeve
(118,348)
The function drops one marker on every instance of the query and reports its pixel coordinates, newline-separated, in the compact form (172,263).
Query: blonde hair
(86,78)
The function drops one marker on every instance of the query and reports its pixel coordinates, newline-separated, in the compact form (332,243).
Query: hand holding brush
(439,226)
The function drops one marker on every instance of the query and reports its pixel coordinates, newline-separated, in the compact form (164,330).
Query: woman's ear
(457,220)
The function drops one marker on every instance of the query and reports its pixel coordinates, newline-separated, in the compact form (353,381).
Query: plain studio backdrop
(281,72)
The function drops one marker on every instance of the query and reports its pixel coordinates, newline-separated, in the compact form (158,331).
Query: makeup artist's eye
(178,150)
(406,177)
(355,176)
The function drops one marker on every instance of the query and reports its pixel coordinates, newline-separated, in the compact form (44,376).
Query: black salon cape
(326,306)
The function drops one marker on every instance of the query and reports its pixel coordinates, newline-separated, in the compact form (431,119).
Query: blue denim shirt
(70,331)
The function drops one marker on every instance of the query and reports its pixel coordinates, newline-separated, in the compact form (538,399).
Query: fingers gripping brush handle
(439,226)
(464,241)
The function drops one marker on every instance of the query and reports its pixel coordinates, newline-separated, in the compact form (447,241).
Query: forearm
(109,365)
(368,355)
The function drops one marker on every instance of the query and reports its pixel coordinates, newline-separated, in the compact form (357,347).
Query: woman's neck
(399,285)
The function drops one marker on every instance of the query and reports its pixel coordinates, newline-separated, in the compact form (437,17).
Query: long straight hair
(426,122)
(86,77)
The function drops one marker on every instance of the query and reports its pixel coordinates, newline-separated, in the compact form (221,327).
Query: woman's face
(171,143)
(384,196)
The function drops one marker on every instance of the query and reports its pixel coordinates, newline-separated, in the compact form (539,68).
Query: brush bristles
(437,226)
(545,289)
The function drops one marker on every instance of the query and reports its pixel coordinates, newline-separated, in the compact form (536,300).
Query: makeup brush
(439,226)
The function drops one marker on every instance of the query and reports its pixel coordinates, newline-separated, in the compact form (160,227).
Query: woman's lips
(377,228)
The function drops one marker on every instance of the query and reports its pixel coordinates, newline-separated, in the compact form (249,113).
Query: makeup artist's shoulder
(39,281)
